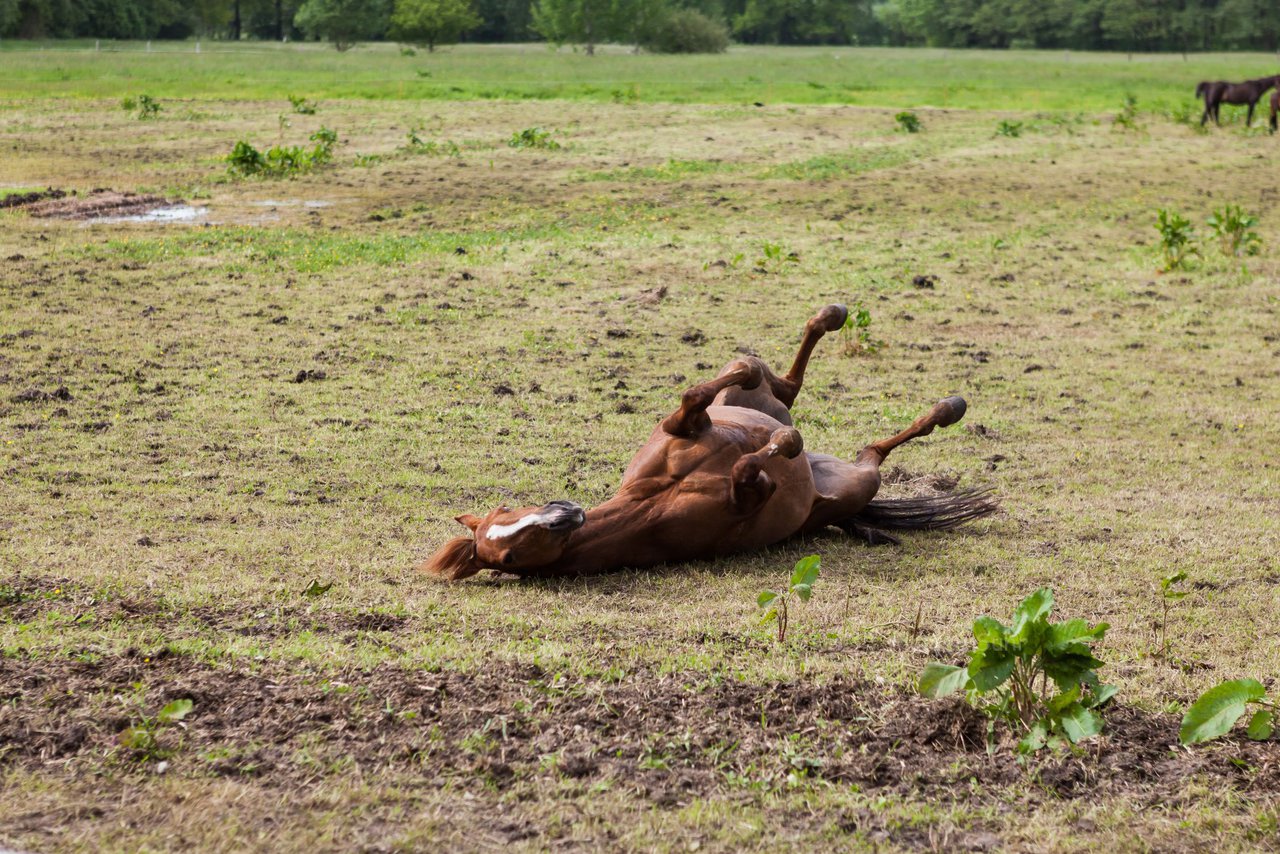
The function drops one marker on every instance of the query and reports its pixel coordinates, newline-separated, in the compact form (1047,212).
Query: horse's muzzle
(563,516)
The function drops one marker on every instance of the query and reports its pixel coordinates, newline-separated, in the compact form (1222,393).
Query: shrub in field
(908,122)
(302,106)
(1177,239)
(774,603)
(855,335)
(684,31)
(1218,709)
(143,737)
(1011,661)
(282,161)
(1235,231)
(533,138)
(143,106)
(1010,129)
(1127,118)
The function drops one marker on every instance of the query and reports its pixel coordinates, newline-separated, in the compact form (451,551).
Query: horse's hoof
(832,317)
(788,442)
(950,410)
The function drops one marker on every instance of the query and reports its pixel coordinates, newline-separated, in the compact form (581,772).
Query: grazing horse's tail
(927,513)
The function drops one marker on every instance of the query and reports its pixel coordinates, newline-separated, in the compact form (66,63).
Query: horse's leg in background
(752,486)
(1248,122)
(776,394)
(691,418)
(827,320)
(1275,108)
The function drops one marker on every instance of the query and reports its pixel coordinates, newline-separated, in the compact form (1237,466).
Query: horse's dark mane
(455,560)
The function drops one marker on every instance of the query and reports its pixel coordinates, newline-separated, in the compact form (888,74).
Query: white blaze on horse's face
(529,537)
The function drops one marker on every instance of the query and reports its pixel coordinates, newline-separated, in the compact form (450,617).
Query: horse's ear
(470,521)
(454,561)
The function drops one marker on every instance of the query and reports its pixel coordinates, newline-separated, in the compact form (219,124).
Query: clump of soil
(99,203)
(18,200)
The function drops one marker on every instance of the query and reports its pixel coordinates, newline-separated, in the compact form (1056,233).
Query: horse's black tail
(926,513)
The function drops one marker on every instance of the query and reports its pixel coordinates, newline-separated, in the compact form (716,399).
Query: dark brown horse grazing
(724,473)
(1217,93)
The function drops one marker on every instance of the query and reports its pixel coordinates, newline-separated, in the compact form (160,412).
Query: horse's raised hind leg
(691,418)
(827,320)
(752,486)
(944,413)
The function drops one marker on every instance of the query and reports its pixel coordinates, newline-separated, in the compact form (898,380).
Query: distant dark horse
(1219,92)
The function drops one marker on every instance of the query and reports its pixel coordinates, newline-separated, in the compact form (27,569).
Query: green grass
(160,526)
(882,77)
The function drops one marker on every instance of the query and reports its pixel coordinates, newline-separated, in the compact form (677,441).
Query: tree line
(1131,25)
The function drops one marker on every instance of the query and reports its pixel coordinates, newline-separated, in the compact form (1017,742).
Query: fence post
(148,45)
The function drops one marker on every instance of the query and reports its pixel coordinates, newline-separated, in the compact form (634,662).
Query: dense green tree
(431,22)
(343,22)
(584,22)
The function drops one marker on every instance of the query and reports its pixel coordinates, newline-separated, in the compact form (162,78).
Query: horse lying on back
(724,473)
(1219,92)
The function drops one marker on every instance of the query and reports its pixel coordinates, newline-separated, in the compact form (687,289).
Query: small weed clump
(908,122)
(143,106)
(1235,231)
(416,144)
(302,106)
(1177,239)
(855,335)
(1218,709)
(774,604)
(282,161)
(773,257)
(1010,661)
(1127,118)
(533,138)
(1009,129)
(143,737)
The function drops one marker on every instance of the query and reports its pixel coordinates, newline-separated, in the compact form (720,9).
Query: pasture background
(489,331)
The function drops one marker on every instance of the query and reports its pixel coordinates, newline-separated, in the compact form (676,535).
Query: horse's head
(508,540)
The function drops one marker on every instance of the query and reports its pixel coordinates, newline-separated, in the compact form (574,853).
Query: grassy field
(879,77)
(308,382)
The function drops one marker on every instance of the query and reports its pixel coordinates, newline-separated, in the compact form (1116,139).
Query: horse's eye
(508,559)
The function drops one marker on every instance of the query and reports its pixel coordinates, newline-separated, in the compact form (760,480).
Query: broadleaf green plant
(1168,595)
(1218,709)
(143,737)
(855,334)
(908,122)
(1008,663)
(1176,239)
(775,604)
(1235,231)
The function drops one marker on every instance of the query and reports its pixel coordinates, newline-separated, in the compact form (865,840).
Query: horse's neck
(617,533)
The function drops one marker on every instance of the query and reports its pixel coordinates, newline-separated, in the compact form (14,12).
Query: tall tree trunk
(235,22)
(279,20)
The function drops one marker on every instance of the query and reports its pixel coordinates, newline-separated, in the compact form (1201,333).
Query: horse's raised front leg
(846,488)
(691,419)
(752,486)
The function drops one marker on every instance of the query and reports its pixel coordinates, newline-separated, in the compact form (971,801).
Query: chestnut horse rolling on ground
(724,473)
(1219,92)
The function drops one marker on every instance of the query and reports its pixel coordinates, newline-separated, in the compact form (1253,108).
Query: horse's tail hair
(927,513)
(454,561)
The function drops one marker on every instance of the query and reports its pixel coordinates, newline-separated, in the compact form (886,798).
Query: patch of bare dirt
(99,203)
(669,737)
